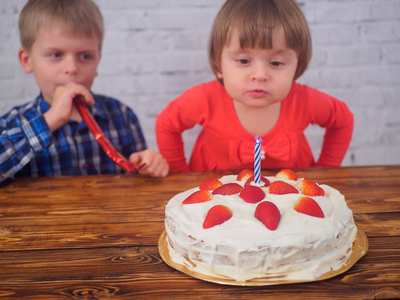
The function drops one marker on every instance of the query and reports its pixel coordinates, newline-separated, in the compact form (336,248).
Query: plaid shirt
(29,149)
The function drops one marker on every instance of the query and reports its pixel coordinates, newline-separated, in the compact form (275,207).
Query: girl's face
(258,77)
(58,58)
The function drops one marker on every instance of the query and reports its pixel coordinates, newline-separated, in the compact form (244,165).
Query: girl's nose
(259,72)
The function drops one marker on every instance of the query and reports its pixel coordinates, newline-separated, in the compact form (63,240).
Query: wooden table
(95,237)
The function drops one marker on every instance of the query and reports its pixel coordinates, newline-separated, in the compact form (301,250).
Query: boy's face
(258,77)
(58,58)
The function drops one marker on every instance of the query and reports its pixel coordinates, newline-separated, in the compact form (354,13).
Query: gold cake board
(360,248)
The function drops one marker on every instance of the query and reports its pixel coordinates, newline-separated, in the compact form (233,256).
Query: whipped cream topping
(301,248)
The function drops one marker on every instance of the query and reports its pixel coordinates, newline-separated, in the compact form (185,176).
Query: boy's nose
(71,66)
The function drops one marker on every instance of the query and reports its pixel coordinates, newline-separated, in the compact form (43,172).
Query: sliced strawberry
(217,215)
(252,194)
(228,189)
(286,174)
(244,175)
(198,197)
(309,206)
(210,184)
(262,179)
(310,188)
(281,188)
(268,214)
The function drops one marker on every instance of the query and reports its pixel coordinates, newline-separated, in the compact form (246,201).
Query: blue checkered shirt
(29,149)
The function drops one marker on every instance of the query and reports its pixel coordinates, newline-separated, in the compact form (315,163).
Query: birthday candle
(257,160)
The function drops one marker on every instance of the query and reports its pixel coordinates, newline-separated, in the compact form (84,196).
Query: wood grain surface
(95,237)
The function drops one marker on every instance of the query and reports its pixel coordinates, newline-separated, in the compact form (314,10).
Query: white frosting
(301,248)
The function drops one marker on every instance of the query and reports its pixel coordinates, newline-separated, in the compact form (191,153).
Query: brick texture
(155,49)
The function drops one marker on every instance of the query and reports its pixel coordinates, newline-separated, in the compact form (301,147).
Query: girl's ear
(218,71)
(24,59)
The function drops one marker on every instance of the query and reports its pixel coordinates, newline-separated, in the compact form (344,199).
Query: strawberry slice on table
(198,197)
(252,194)
(217,215)
(268,213)
(310,188)
(282,188)
(245,174)
(287,174)
(210,184)
(309,206)
(262,179)
(228,189)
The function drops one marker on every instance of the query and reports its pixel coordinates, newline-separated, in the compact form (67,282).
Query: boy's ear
(24,59)
(97,72)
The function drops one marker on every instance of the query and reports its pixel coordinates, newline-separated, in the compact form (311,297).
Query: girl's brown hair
(255,21)
(75,16)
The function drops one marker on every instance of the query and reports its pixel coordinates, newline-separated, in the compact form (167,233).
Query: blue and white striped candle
(257,160)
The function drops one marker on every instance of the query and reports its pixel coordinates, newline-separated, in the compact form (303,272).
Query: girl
(257,49)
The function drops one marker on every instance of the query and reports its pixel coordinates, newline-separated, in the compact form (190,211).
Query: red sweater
(224,144)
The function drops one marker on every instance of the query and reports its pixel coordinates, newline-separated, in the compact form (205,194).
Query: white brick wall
(155,49)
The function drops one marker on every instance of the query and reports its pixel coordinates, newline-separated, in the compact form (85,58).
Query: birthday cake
(283,227)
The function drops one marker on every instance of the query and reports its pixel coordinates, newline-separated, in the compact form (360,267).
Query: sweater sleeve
(333,115)
(179,115)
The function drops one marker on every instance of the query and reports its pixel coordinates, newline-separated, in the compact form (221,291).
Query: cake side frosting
(243,248)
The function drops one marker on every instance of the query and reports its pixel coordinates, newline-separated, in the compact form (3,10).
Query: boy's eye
(86,56)
(56,54)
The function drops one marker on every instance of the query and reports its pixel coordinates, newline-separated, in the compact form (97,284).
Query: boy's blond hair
(75,16)
(255,21)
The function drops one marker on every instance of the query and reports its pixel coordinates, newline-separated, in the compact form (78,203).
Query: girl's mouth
(258,93)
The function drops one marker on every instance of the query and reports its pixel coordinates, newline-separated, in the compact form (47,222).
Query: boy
(61,45)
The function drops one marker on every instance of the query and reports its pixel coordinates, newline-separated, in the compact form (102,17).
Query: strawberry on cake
(282,228)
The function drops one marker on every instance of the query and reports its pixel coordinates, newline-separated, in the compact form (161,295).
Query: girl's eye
(243,61)
(276,63)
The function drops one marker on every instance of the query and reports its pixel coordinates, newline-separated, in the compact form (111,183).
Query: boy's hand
(153,163)
(62,107)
